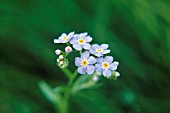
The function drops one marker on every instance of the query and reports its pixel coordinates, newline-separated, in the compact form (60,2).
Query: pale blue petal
(73,41)
(92,51)
(108,59)
(71,34)
(99,68)
(113,66)
(64,41)
(83,34)
(85,55)
(100,60)
(90,69)
(98,54)
(57,41)
(107,72)
(78,61)
(104,46)
(105,51)
(91,60)
(95,46)
(81,70)
(77,47)
(86,46)
(88,39)
(64,34)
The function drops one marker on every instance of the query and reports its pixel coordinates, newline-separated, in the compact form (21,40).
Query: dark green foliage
(138,32)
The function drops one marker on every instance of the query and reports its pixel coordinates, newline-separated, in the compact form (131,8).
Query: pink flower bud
(57,52)
(68,49)
(95,78)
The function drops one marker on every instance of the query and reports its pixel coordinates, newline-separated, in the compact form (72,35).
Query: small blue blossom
(81,41)
(99,50)
(64,38)
(85,62)
(106,65)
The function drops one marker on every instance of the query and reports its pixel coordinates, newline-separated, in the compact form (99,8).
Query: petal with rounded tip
(100,60)
(83,34)
(73,41)
(71,33)
(104,46)
(77,47)
(57,41)
(78,61)
(90,69)
(105,51)
(95,46)
(91,60)
(81,70)
(113,66)
(98,54)
(86,46)
(107,72)
(85,55)
(108,59)
(92,51)
(98,68)
(88,39)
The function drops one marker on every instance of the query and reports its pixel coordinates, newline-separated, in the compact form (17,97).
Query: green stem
(68,44)
(80,52)
(64,103)
(72,78)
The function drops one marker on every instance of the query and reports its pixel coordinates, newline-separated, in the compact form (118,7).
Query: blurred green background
(138,32)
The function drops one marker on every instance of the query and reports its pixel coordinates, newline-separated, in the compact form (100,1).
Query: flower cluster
(92,59)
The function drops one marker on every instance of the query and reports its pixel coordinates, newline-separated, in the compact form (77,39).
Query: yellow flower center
(84,62)
(65,38)
(81,41)
(99,50)
(105,65)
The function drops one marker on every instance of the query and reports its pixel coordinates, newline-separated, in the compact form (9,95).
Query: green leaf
(48,92)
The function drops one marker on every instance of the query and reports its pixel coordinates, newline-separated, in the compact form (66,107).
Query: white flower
(64,38)
(57,52)
(68,49)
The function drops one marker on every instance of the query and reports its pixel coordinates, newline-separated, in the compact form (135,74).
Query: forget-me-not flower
(85,63)
(81,41)
(106,65)
(64,38)
(99,50)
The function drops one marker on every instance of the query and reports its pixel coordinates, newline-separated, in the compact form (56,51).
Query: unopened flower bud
(68,49)
(61,57)
(58,60)
(58,52)
(61,62)
(64,63)
(117,74)
(95,78)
